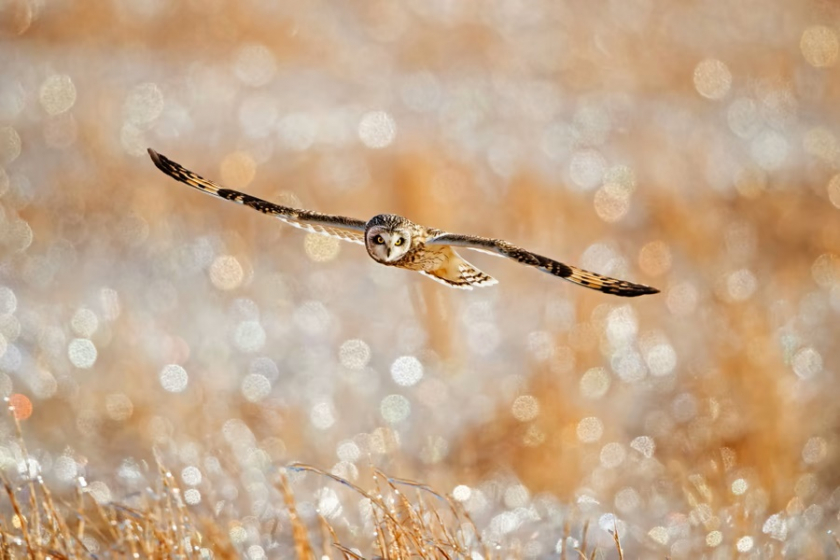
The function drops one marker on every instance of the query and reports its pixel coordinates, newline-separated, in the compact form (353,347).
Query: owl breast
(421,257)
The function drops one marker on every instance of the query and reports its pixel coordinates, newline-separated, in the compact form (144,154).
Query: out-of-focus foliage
(688,145)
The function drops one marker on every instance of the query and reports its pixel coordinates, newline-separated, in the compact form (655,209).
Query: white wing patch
(353,236)
(446,282)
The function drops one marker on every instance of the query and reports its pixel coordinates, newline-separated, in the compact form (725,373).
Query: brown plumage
(396,241)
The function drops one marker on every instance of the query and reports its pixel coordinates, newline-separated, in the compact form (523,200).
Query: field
(189,378)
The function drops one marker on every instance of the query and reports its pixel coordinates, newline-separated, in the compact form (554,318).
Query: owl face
(388,244)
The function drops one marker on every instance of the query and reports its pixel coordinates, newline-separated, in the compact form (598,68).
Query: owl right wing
(347,229)
(567,272)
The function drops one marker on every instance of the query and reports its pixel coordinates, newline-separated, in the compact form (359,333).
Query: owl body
(396,241)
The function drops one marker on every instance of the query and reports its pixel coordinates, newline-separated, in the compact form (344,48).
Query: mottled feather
(341,227)
(456,272)
(567,272)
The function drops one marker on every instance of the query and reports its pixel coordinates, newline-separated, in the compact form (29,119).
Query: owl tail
(458,273)
(606,284)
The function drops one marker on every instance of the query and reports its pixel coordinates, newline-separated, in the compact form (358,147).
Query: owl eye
(399,242)
(379,240)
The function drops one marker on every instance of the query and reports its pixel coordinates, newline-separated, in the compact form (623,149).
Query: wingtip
(629,290)
(155,156)
(646,290)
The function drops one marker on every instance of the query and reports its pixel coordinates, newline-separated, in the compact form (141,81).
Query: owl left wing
(341,227)
(567,272)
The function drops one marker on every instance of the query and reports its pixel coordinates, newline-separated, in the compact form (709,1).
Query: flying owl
(396,241)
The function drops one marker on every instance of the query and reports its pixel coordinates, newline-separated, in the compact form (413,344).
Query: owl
(396,241)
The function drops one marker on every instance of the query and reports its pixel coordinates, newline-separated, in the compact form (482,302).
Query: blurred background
(688,145)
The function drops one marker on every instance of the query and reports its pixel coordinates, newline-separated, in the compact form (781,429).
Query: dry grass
(409,520)
(39,525)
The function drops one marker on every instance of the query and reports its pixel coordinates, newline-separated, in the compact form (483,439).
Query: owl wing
(341,227)
(454,271)
(567,272)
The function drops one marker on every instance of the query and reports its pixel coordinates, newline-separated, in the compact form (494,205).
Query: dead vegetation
(406,519)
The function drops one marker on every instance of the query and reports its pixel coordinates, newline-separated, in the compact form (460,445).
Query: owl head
(387,238)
